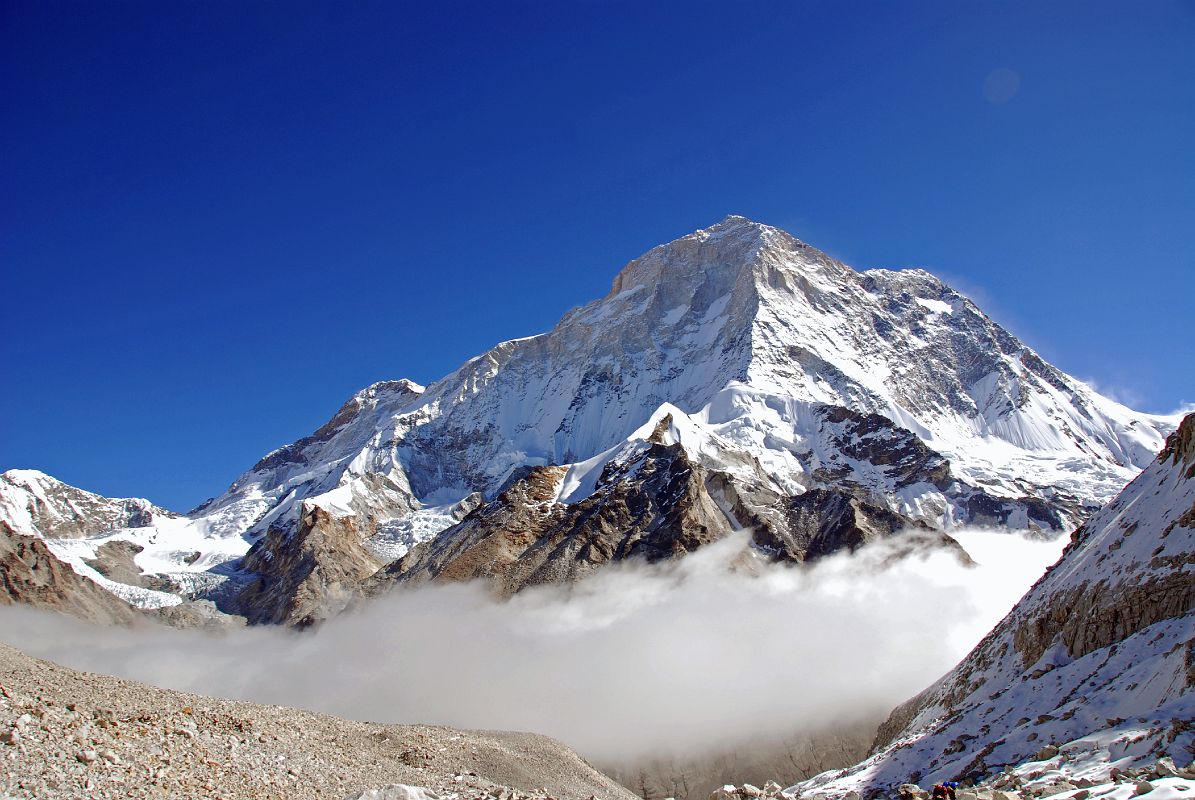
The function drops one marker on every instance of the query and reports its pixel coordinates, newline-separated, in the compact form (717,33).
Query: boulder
(727,792)
(1046,753)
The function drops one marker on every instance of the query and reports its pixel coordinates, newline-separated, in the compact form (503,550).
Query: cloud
(635,662)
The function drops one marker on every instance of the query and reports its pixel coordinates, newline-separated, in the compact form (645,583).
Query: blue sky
(218,220)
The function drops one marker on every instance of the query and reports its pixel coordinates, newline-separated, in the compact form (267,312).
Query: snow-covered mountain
(1093,669)
(753,357)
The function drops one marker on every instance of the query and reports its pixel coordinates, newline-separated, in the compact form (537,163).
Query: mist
(635,662)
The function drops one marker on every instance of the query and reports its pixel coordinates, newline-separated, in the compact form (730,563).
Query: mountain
(735,377)
(1093,669)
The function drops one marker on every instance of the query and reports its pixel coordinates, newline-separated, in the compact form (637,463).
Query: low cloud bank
(637,661)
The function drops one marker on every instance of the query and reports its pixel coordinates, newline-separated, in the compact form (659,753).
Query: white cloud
(638,660)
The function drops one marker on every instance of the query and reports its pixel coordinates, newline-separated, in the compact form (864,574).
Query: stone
(10,737)
(1164,768)
(748,790)
(1046,753)
(86,756)
(726,792)
(1144,787)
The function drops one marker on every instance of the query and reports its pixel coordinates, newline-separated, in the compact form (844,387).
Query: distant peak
(737,219)
(400,385)
(23,476)
(722,253)
(734,223)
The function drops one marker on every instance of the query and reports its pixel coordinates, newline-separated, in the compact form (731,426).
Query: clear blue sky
(219,220)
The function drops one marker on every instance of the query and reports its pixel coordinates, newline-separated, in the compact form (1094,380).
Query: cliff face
(1098,658)
(307,575)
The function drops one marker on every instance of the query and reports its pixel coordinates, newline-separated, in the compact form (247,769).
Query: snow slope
(1095,660)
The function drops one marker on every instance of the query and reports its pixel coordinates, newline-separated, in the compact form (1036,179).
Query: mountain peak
(715,257)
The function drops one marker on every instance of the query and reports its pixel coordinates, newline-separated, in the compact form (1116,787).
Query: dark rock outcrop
(306,576)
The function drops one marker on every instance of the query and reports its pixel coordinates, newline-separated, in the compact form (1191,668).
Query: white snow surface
(741,334)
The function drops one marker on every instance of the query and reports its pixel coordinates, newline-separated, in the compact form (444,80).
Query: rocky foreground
(68,734)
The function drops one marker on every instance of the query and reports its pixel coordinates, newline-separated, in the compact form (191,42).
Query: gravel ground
(68,734)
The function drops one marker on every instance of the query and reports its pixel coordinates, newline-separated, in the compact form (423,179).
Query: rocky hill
(733,378)
(67,734)
(1093,670)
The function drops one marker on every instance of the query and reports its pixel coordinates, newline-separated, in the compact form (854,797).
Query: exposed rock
(31,574)
(308,575)
(654,506)
(115,560)
(1047,752)
(656,503)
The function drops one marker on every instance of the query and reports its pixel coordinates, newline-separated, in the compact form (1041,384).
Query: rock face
(725,376)
(30,574)
(651,502)
(305,576)
(1095,664)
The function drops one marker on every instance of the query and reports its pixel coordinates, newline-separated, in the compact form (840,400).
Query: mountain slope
(79,734)
(1097,660)
(780,370)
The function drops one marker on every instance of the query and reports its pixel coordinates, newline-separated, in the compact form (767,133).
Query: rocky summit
(734,378)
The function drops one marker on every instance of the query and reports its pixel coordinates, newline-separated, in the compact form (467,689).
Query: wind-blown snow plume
(671,660)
